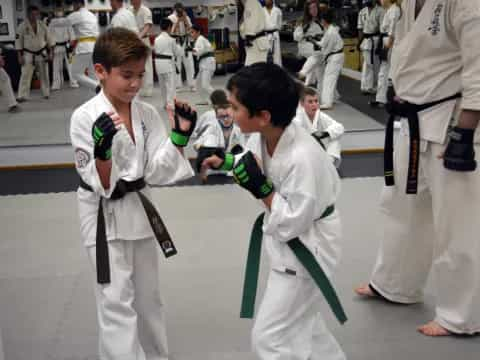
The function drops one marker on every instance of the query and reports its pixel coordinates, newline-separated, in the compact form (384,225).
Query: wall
(7,20)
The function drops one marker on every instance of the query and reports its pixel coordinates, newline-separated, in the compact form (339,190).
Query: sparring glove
(207,151)
(103,131)
(248,175)
(460,154)
(178,136)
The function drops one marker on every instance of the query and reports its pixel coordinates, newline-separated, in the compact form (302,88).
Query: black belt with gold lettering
(410,111)
(161,234)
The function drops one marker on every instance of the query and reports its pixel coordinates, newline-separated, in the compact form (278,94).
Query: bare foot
(365,290)
(433,329)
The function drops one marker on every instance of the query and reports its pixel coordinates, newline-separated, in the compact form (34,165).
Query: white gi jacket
(443,41)
(28,39)
(180,29)
(322,122)
(166,45)
(254,21)
(331,42)
(369,23)
(203,46)
(85,25)
(306,183)
(152,156)
(273,22)
(390,21)
(124,18)
(60,34)
(305,48)
(143,16)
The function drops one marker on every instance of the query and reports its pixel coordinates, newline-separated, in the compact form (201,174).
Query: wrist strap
(228,162)
(179,139)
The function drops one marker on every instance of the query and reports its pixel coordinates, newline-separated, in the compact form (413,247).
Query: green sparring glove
(207,151)
(248,175)
(103,131)
(178,136)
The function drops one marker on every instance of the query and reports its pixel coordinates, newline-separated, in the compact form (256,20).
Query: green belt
(303,255)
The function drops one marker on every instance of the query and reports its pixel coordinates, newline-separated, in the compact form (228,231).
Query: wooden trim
(363,151)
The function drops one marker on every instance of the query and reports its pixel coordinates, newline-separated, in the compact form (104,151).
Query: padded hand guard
(178,136)
(460,153)
(103,131)
(207,151)
(248,175)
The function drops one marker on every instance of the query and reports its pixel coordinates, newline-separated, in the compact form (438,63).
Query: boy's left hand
(248,175)
(184,120)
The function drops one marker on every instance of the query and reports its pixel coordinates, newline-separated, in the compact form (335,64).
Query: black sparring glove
(103,131)
(236,149)
(207,151)
(460,154)
(178,136)
(248,175)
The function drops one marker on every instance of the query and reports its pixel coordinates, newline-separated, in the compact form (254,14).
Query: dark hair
(307,18)
(196,28)
(116,46)
(165,24)
(32,8)
(307,91)
(219,98)
(266,87)
(178,6)
(80,2)
(328,16)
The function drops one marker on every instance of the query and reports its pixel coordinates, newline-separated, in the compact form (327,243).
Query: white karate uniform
(369,21)
(143,16)
(185,59)
(254,22)
(206,67)
(312,68)
(323,122)
(27,39)
(61,35)
(306,183)
(331,43)
(130,311)
(388,27)
(6,88)
(165,68)
(85,27)
(274,22)
(125,19)
(437,229)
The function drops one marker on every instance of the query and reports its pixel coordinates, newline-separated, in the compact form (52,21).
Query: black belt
(251,38)
(162,56)
(161,234)
(372,50)
(272,31)
(37,53)
(206,55)
(333,53)
(409,111)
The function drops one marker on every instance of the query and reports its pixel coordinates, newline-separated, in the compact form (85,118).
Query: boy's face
(194,34)
(242,118)
(225,116)
(310,104)
(122,82)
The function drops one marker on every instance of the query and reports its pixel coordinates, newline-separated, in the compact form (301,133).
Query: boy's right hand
(103,131)
(219,161)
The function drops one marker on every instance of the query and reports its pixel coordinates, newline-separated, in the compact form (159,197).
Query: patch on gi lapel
(144,130)
(82,158)
(435,24)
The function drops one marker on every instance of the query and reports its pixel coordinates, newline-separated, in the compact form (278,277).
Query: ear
(100,72)
(265,118)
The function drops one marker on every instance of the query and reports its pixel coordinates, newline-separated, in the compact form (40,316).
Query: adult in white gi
(6,87)
(85,27)
(166,50)
(129,330)
(321,125)
(203,50)
(387,37)
(307,34)
(252,30)
(33,44)
(62,36)
(143,15)
(369,21)
(436,230)
(181,31)
(332,55)
(274,24)
(123,17)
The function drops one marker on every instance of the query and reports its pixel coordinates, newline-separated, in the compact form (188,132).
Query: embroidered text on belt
(333,53)
(372,50)
(161,234)
(409,111)
(305,257)
(87,39)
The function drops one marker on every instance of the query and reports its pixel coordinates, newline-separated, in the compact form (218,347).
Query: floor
(47,303)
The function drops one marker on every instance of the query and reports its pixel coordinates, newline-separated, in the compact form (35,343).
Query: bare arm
(469,119)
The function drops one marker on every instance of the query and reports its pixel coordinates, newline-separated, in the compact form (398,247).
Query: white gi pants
(204,83)
(60,58)
(81,62)
(166,82)
(254,55)
(330,78)
(130,311)
(313,70)
(274,40)
(147,85)
(435,230)
(382,85)
(6,88)
(289,326)
(369,67)
(187,62)
(33,62)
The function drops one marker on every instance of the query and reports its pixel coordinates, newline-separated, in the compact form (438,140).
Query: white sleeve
(360,23)
(298,33)
(279,20)
(395,16)
(200,46)
(82,142)
(148,19)
(165,164)
(332,127)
